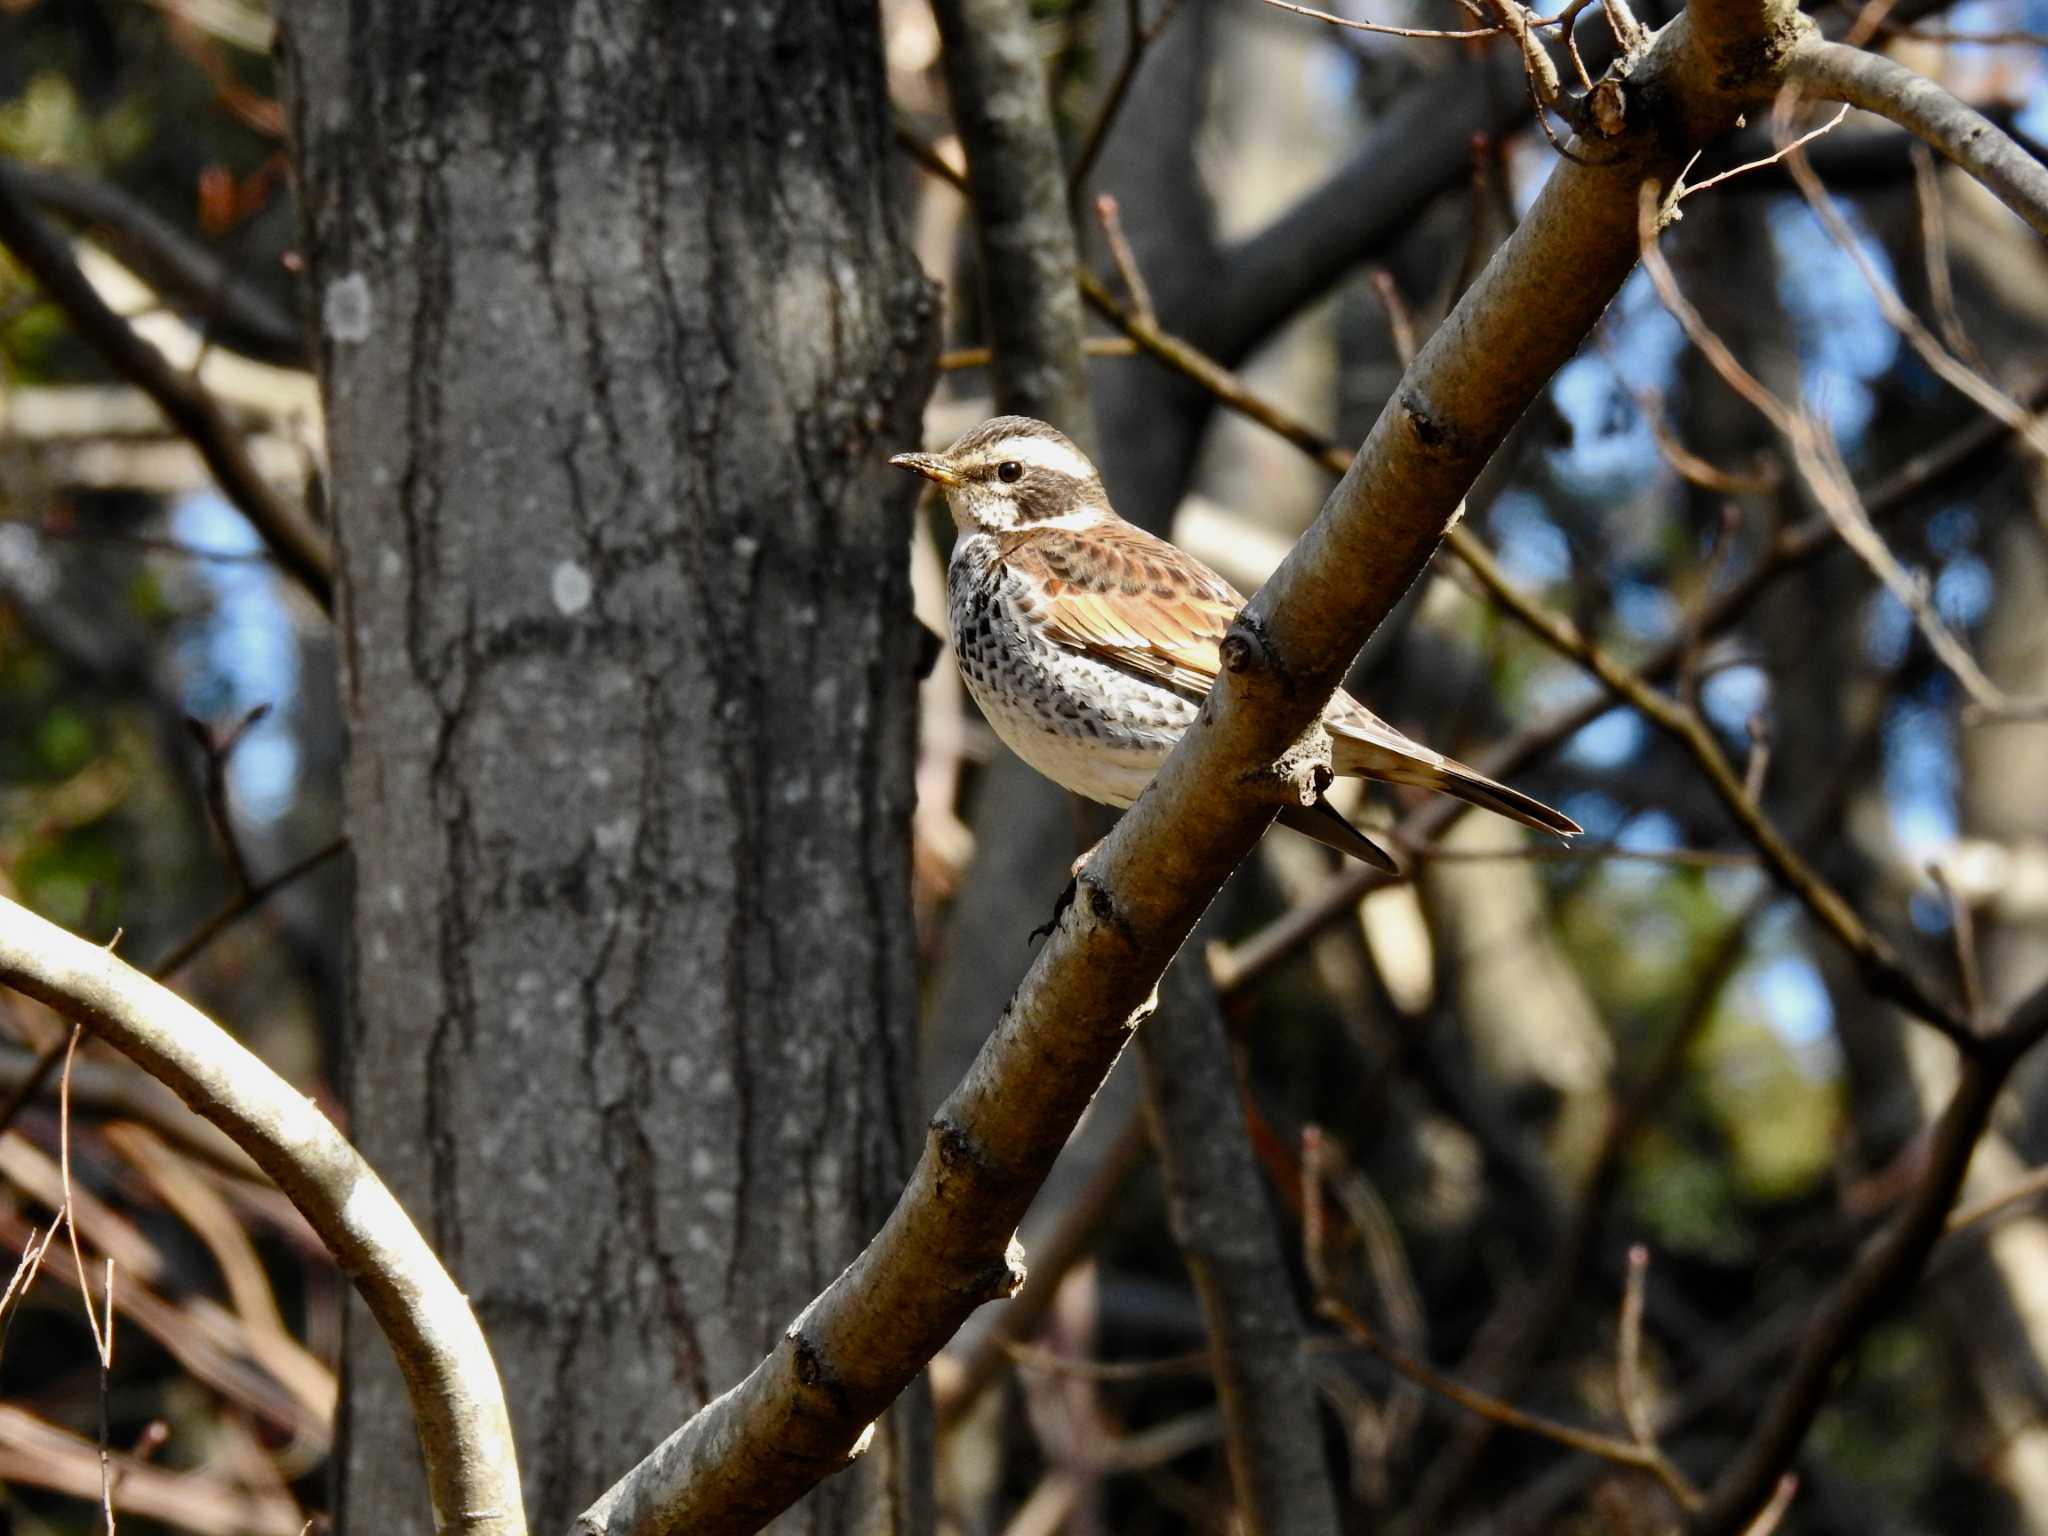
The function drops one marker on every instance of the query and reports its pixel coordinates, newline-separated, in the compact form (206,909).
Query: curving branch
(298,545)
(1837,72)
(465,1433)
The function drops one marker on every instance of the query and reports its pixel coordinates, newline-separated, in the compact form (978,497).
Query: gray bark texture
(616,330)
(1216,1202)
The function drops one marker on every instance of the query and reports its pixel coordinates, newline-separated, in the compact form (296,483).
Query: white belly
(1089,727)
(1096,767)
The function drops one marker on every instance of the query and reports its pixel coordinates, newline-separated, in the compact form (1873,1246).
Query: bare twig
(1028,1357)
(1682,191)
(1963,930)
(1820,467)
(1624,1453)
(1958,374)
(1941,288)
(300,547)
(24,1276)
(1929,32)
(981,357)
(1991,1206)
(1141,37)
(181,954)
(32,1084)
(1125,258)
(102,1335)
(217,750)
(1382,28)
(1634,1393)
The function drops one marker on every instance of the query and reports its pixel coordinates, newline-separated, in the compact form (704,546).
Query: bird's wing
(1116,593)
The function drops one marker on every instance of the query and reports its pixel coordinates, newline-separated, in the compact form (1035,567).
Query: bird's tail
(1378,751)
(1326,824)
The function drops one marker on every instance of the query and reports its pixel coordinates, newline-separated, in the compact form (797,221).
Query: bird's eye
(1009,471)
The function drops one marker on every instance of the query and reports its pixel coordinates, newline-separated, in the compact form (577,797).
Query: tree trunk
(616,329)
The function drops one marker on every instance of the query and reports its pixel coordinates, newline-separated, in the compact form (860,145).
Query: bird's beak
(930,465)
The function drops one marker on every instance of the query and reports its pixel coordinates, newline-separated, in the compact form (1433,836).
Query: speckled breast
(1084,724)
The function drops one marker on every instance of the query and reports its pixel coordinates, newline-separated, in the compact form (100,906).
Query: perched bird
(1090,645)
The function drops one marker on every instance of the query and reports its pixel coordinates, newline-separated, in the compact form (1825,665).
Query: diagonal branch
(1837,72)
(238,315)
(299,546)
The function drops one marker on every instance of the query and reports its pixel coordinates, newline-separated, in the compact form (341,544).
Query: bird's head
(1012,472)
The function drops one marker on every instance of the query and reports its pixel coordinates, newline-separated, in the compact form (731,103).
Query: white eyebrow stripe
(1044,453)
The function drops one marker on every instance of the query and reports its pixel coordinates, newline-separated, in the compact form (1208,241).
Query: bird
(1089,644)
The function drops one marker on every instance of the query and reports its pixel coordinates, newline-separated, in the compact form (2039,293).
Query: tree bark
(616,330)
(1216,1202)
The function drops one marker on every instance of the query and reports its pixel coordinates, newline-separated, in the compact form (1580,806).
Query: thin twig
(1634,1393)
(1956,373)
(1621,1452)
(1682,192)
(1930,32)
(1400,318)
(218,749)
(1963,929)
(1941,287)
(1820,467)
(102,1338)
(1126,259)
(32,1253)
(981,357)
(2015,1194)
(1141,38)
(1029,1357)
(928,158)
(180,955)
(1382,28)
(31,1085)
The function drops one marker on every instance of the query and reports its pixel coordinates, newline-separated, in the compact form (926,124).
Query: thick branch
(238,315)
(1222,1223)
(947,1246)
(299,546)
(1004,116)
(465,1433)
(1837,72)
